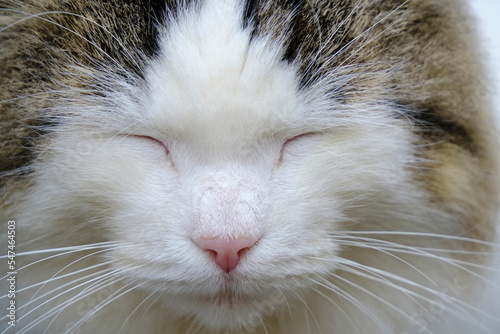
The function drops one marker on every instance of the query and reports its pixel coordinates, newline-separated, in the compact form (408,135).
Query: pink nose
(227,252)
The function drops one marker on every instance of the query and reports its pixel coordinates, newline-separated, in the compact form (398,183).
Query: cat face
(236,163)
(219,178)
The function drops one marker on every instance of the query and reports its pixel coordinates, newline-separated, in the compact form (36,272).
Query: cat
(224,166)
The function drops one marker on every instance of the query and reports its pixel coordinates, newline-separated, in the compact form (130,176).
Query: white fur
(225,109)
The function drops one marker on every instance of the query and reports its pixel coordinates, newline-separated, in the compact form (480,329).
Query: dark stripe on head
(438,128)
(249,15)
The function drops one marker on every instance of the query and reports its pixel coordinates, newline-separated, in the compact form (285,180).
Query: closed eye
(288,141)
(157,142)
(152,139)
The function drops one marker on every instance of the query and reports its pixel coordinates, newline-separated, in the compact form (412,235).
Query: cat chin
(220,302)
(227,312)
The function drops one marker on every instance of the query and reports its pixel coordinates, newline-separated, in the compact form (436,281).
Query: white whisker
(416,251)
(40,16)
(115,295)
(459,313)
(138,306)
(100,283)
(64,250)
(307,311)
(338,291)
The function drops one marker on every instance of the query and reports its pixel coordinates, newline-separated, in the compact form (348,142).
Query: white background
(488,13)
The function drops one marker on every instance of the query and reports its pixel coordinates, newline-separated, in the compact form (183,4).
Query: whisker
(101,282)
(52,279)
(101,274)
(56,309)
(65,251)
(370,293)
(106,302)
(348,45)
(286,303)
(354,40)
(39,16)
(418,249)
(138,306)
(47,92)
(459,313)
(75,248)
(70,264)
(329,286)
(340,293)
(105,285)
(403,249)
(342,23)
(387,252)
(308,309)
(424,235)
(320,34)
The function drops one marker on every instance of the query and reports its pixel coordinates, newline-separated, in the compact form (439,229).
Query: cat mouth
(230,295)
(227,299)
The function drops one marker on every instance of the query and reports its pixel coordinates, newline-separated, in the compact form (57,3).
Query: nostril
(243,250)
(227,252)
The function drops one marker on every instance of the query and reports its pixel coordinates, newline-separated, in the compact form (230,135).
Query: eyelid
(280,160)
(297,137)
(147,137)
(154,140)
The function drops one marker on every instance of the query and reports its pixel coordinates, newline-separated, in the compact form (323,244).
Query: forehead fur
(213,79)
